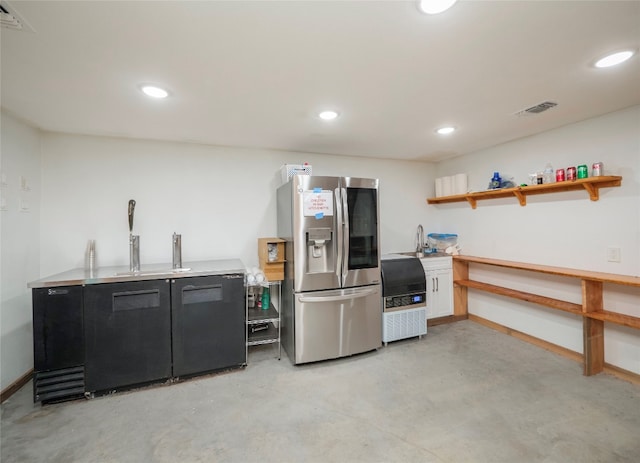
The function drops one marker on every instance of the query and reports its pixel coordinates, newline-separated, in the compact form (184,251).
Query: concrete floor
(464,393)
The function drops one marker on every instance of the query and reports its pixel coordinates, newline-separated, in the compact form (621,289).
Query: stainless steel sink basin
(153,272)
(180,270)
(414,254)
(142,273)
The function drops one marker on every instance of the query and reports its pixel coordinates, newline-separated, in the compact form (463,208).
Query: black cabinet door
(128,334)
(208,330)
(58,337)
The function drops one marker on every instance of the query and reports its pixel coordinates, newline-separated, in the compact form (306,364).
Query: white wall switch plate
(613,254)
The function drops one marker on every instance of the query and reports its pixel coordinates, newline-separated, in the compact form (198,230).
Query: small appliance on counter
(404,298)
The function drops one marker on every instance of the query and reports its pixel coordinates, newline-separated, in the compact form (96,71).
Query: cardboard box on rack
(271,258)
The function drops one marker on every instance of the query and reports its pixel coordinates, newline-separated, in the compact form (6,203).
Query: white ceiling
(254,74)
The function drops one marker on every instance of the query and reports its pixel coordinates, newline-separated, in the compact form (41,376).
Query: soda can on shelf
(560,175)
(571,173)
(596,169)
(583,171)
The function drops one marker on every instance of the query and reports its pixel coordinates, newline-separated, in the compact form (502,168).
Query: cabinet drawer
(432,263)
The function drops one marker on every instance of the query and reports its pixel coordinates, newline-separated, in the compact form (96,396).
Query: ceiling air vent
(537,109)
(10,18)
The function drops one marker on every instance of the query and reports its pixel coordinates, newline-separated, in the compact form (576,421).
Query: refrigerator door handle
(339,232)
(345,234)
(343,297)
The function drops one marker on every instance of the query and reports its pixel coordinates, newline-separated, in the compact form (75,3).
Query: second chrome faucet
(177,251)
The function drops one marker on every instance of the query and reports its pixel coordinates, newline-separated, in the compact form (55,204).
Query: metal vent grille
(404,324)
(537,109)
(58,385)
(10,19)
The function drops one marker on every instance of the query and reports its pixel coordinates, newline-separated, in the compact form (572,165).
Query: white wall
(19,246)
(562,229)
(220,199)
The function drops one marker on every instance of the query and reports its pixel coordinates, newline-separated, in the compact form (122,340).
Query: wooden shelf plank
(606,316)
(592,185)
(617,318)
(558,304)
(548,269)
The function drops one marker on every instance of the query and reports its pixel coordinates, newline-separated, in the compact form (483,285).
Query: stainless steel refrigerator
(331,297)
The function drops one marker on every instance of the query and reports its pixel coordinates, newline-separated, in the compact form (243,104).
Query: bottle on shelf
(265,298)
(496,181)
(548,175)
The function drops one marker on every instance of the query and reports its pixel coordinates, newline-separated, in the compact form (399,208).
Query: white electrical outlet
(24,205)
(613,254)
(24,183)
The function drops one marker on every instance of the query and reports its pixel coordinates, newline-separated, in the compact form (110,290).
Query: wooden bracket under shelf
(591,185)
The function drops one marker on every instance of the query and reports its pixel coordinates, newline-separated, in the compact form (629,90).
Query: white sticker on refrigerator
(317,203)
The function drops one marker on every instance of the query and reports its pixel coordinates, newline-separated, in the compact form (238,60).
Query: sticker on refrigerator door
(317,202)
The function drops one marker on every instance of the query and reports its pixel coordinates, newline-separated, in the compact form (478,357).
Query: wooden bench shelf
(557,304)
(591,185)
(591,310)
(617,318)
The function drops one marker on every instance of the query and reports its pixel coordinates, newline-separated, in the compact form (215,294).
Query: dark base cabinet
(128,334)
(99,338)
(208,323)
(58,344)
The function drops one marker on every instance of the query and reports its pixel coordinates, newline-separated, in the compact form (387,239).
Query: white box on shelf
(289,170)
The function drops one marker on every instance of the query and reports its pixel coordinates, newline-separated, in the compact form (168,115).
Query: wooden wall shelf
(591,185)
(591,310)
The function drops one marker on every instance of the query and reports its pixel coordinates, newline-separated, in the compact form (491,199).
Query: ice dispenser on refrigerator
(320,256)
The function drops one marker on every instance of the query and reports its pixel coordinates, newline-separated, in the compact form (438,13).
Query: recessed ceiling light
(435,6)
(446,130)
(154,92)
(328,115)
(614,58)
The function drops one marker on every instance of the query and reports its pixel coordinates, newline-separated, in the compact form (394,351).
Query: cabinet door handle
(341,297)
(437,284)
(433,285)
(198,294)
(134,300)
(57,292)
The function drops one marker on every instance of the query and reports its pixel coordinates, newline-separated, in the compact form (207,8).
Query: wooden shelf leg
(593,330)
(594,192)
(460,299)
(522,199)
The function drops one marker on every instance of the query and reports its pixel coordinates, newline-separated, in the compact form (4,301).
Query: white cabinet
(439,274)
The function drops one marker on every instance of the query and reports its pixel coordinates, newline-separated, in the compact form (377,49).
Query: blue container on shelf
(441,241)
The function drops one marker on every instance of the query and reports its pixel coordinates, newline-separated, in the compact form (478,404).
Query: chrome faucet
(177,251)
(134,240)
(134,253)
(420,241)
